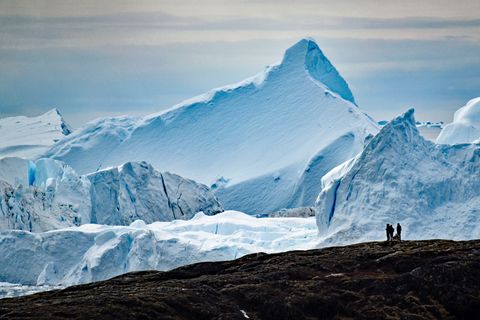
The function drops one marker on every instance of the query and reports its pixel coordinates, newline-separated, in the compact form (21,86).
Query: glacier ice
(465,127)
(432,190)
(281,139)
(97,252)
(29,137)
(269,138)
(47,194)
(121,195)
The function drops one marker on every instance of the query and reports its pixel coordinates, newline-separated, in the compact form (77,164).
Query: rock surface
(434,279)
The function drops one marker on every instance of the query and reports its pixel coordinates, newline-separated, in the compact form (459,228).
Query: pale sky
(99,58)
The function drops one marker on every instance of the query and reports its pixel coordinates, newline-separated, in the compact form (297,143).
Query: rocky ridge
(433,279)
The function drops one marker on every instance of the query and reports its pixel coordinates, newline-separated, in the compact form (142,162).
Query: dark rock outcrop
(435,279)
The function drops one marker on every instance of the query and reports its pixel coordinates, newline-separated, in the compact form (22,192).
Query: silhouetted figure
(399,232)
(391,231)
(387,230)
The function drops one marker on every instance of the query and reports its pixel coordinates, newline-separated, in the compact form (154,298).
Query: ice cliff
(97,252)
(432,190)
(48,194)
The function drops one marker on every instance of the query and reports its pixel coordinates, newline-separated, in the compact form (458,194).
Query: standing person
(399,231)
(387,229)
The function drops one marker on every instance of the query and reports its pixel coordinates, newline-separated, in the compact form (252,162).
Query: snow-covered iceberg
(96,252)
(465,127)
(29,137)
(48,194)
(263,143)
(432,190)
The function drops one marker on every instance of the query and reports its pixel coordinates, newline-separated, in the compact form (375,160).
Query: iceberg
(465,127)
(29,137)
(47,194)
(97,252)
(268,139)
(432,190)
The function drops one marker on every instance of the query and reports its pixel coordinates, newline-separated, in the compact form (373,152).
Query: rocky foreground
(435,279)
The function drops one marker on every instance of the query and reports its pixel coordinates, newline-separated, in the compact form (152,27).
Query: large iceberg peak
(308,55)
(401,177)
(247,126)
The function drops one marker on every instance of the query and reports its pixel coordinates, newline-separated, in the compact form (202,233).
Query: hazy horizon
(109,58)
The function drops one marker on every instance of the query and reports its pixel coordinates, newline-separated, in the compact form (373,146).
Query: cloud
(154,28)
(122,57)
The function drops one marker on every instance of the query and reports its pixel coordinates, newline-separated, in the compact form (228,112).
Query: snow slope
(465,127)
(29,137)
(432,190)
(49,195)
(263,142)
(95,252)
